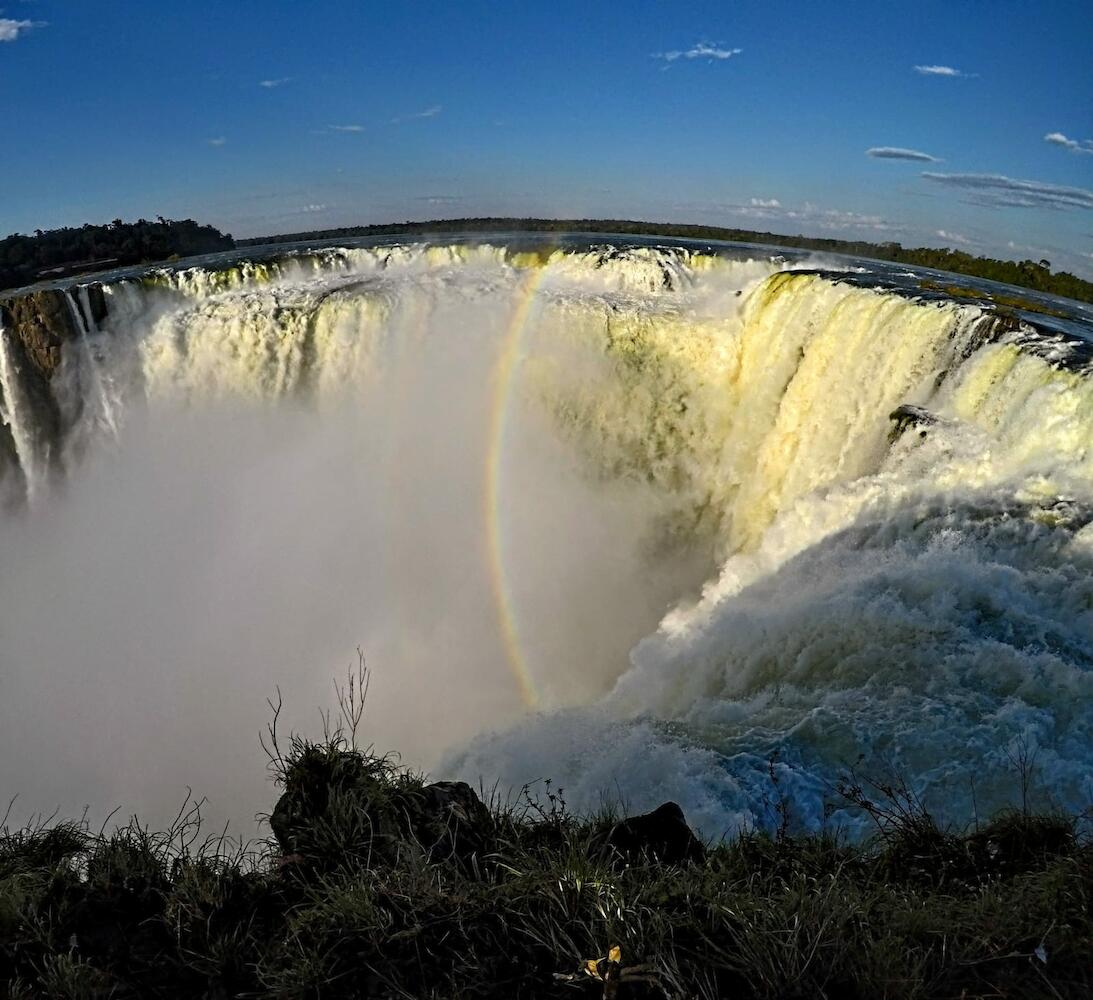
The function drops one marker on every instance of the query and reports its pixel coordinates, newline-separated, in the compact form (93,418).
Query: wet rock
(42,324)
(35,328)
(906,416)
(662,834)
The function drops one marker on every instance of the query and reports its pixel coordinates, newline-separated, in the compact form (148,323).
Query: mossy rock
(341,805)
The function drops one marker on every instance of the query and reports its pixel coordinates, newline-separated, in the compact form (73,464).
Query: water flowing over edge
(914,593)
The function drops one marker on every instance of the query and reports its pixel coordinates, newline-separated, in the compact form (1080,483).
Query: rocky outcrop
(662,834)
(340,806)
(36,327)
(906,416)
(40,324)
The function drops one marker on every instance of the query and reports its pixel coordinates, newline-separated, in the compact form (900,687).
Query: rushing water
(636,519)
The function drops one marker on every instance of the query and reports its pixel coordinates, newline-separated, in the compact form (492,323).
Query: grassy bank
(380,885)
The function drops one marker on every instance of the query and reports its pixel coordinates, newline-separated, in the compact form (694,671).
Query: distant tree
(24,258)
(1029,274)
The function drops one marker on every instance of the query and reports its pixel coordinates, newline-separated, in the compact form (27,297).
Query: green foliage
(24,259)
(918,912)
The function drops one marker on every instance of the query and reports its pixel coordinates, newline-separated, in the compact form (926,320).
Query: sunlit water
(632,519)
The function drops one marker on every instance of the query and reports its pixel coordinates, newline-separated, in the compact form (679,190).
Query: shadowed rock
(906,416)
(449,820)
(338,805)
(662,834)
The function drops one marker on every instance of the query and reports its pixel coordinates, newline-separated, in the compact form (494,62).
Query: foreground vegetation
(1026,273)
(380,885)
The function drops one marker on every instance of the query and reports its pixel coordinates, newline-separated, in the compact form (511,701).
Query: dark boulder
(906,416)
(448,820)
(1015,843)
(662,834)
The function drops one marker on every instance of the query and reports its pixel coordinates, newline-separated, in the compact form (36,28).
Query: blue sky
(277,117)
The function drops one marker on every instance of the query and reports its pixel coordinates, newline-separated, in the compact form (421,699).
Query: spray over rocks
(653,492)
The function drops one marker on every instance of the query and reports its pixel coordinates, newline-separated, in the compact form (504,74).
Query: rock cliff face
(36,327)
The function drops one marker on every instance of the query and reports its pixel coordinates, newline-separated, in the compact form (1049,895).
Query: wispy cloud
(1036,252)
(309,209)
(701,50)
(11,30)
(347,128)
(218,141)
(1058,139)
(427,113)
(279,82)
(808,214)
(954,237)
(899,153)
(943,71)
(440,199)
(998,191)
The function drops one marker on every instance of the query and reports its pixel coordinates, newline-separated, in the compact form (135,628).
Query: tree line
(56,252)
(1026,273)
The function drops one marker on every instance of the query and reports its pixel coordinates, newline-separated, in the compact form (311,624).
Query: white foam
(299,466)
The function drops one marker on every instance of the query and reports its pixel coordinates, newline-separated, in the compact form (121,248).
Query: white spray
(15,413)
(300,468)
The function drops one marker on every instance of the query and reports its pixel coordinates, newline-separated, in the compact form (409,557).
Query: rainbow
(501,380)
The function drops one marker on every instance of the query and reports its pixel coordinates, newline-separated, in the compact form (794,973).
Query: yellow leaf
(615,954)
(592,967)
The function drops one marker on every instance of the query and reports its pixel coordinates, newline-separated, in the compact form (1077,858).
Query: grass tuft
(378,884)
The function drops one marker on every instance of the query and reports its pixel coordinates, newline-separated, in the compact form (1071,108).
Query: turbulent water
(635,519)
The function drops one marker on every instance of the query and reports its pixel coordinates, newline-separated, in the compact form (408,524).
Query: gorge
(631,514)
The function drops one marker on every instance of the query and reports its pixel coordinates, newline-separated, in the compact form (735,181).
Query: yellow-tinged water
(640,510)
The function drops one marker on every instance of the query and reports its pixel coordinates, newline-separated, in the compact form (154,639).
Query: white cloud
(701,50)
(998,191)
(1058,139)
(313,208)
(11,30)
(942,71)
(218,141)
(1036,252)
(954,237)
(899,153)
(807,215)
(427,113)
(347,128)
(279,82)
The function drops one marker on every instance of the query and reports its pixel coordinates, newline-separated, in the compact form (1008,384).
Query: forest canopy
(59,252)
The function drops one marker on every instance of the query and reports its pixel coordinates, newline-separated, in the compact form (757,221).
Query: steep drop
(498,469)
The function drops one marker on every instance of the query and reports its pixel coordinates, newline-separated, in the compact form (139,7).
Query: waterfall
(658,489)
(17,415)
(99,395)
